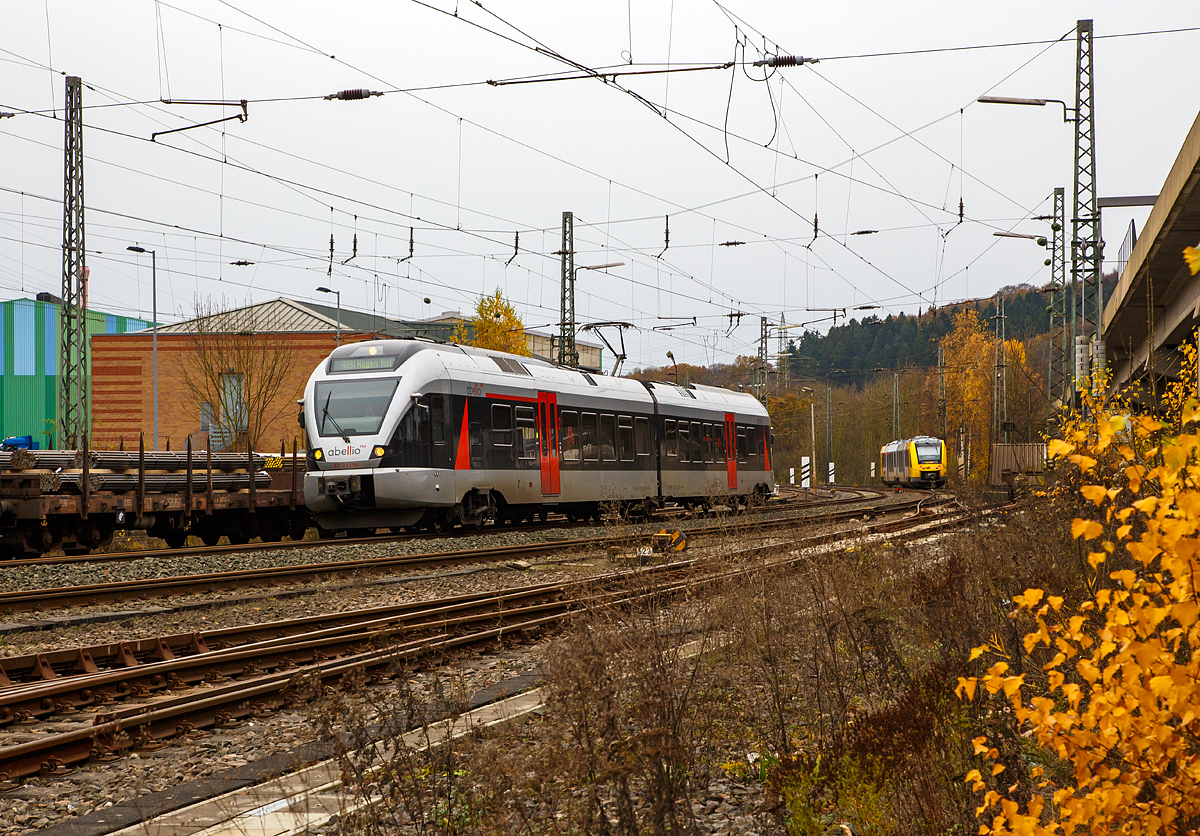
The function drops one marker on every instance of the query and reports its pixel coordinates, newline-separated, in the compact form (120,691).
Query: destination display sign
(361,364)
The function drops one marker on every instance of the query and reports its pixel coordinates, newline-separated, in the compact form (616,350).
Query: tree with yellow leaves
(495,326)
(968,352)
(1117,696)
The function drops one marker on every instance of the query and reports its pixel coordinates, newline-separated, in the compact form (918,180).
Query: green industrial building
(29,359)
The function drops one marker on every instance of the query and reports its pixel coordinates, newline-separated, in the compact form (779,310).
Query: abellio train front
(412,433)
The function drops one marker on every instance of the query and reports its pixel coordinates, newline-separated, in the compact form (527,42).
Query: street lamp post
(154,317)
(337,293)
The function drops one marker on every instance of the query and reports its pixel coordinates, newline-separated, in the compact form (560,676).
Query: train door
(730,452)
(547,419)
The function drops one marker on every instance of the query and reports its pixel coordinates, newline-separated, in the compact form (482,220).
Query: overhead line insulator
(350,95)
(786,61)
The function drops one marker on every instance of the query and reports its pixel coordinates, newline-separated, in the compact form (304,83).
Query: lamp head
(136,249)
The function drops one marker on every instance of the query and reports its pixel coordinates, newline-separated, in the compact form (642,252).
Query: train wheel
(175,539)
(325,533)
(297,531)
(210,538)
(238,538)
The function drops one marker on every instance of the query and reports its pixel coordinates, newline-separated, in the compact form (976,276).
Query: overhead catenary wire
(510,230)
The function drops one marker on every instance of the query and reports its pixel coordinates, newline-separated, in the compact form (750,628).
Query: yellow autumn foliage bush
(1117,694)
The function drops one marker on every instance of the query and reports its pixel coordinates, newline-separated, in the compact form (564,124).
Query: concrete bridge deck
(1156,280)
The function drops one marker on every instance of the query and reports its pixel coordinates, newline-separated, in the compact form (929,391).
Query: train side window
(591,441)
(741,444)
(527,438)
(625,437)
(719,437)
(670,441)
(751,441)
(641,435)
(437,417)
(570,436)
(608,438)
(706,430)
(696,454)
(685,442)
(475,432)
(502,426)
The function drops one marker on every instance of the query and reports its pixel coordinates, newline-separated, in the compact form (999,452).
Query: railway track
(790,499)
(27,600)
(136,700)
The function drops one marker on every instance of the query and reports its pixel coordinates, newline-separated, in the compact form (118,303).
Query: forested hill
(905,341)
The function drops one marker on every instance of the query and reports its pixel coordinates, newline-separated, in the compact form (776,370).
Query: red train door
(730,452)
(547,419)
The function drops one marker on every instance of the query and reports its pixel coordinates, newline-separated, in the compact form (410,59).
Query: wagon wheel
(175,538)
(210,538)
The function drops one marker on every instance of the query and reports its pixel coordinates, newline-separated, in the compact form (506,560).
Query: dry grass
(829,684)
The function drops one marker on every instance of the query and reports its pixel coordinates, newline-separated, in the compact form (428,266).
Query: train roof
(486,361)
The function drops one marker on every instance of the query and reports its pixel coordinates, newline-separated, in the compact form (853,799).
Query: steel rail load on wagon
(914,462)
(412,433)
(75,500)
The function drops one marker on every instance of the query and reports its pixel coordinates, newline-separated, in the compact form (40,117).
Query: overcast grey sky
(863,141)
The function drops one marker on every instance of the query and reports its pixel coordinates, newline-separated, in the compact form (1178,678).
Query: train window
(706,448)
(641,435)
(751,441)
(353,407)
(670,441)
(741,444)
(570,436)
(608,438)
(719,438)
(696,448)
(929,452)
(437,417)
(625,437)
(502,435)
(685,447)
(475,432)
(527,438)
(591,441)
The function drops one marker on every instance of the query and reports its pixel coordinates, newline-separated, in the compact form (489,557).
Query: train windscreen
(928,452)
(352,407)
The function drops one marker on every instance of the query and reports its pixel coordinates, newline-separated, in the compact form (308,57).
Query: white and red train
(408,433)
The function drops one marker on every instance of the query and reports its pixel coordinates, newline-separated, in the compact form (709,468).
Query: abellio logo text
(350,451)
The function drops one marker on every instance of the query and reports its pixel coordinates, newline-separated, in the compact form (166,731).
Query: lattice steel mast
(759,384)
(568,355)
(1062,321)
(1086,245)
(72,326)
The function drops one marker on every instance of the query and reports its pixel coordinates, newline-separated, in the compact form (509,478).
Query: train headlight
(378,452)
(317,454)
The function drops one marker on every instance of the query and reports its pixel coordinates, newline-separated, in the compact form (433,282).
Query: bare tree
(238,373)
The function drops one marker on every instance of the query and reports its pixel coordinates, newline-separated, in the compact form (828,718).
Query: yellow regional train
(915,462)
